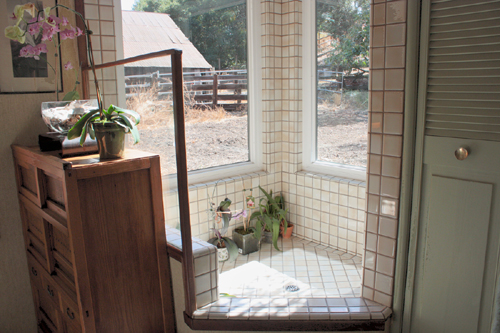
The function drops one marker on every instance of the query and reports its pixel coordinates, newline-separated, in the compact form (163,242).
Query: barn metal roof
(145,32)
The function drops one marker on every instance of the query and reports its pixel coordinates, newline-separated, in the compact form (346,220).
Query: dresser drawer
(50,290)
(36,247)
(48,313)
(35,271)
(70,312)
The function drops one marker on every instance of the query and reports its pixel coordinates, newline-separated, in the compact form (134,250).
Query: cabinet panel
(53,198)
(128,261)
(34,224)
(28,178)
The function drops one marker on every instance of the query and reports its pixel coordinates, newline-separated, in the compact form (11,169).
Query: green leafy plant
(270,216)
(113,115)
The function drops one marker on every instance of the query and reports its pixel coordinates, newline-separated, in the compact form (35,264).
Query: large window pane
(342,29)
(213,37)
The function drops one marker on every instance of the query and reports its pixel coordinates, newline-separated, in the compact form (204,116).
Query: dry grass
(156,111)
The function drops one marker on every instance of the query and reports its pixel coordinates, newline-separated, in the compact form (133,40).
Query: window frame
(254,113)
(310,160)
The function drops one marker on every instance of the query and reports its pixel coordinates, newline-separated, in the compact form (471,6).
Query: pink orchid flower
(49,31)
(53,20)
(26,51)
(33,29)
(68,66)
(68,33)
(40,48)
(239,215)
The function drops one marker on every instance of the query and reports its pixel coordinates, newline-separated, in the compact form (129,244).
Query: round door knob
(461,153)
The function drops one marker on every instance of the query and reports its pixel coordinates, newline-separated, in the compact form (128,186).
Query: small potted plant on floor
(226,247)
(269,217)
(244,236)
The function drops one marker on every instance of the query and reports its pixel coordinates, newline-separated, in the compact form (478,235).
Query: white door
(457,259)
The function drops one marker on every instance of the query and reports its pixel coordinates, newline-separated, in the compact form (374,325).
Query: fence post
(215,91)
(154,81)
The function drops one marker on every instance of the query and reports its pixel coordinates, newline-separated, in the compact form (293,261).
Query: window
(336,87)
(220,82)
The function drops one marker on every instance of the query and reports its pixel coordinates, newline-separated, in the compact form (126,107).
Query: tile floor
(318,271)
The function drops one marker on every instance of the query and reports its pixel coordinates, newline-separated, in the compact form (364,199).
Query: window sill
(214,173)
(336,170)
(282,320)
(330,177)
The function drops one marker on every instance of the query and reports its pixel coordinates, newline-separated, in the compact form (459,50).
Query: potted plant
(38,28)
(108,127)
(244,236)
(286,234)
(269,217)
(226,247)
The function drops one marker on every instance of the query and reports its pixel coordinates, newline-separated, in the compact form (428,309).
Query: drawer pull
(33,270)
(50,291)
(70,313)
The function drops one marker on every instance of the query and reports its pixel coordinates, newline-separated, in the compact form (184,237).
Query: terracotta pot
(289,231)
(110,140)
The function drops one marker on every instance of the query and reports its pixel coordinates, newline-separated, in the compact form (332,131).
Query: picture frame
(25,75)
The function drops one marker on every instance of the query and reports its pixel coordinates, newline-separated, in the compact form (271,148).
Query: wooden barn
(145,32)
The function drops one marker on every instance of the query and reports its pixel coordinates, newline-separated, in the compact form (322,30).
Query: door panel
(458,245)
(457,221)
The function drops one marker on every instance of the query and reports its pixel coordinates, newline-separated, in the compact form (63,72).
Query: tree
(346,22)
(215,27)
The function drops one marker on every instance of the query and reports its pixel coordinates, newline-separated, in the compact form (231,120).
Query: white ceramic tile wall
(282,104)
(102,21)
(201,195)
(388,54)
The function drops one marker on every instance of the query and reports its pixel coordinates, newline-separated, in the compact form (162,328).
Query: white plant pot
(223,254)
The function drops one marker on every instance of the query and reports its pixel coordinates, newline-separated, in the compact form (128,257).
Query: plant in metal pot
(109,128)
(269,217)
(244,236)
(227,248)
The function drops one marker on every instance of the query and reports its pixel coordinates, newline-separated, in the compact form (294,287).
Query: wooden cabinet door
(457,238)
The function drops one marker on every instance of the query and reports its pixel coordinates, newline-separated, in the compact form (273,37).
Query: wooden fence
(227,89)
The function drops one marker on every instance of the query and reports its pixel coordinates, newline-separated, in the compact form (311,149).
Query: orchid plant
(33,25)
(36,28)
(223,215)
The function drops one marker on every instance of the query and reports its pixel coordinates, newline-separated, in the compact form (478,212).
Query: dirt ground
(342,138)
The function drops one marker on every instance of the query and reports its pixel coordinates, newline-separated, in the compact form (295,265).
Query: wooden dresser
(95,240)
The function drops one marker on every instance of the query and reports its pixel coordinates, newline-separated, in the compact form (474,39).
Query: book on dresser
(95,242)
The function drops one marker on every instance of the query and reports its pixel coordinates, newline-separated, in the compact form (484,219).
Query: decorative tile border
(356,308)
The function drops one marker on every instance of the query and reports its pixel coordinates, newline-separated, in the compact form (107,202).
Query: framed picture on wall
(20,74)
